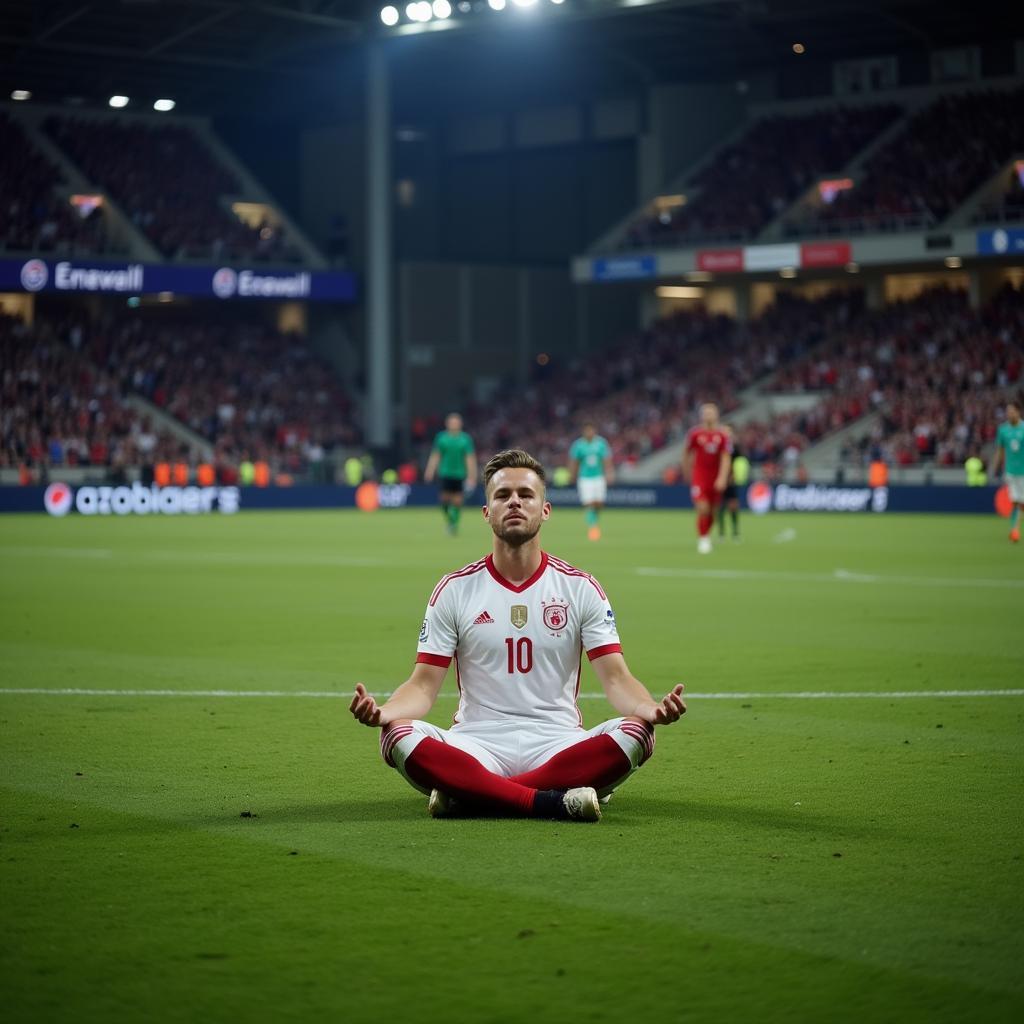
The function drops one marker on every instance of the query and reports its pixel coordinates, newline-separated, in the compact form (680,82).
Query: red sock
(598,762)
(703,524)
(441,766)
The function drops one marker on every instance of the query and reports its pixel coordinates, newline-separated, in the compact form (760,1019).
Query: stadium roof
(216,55)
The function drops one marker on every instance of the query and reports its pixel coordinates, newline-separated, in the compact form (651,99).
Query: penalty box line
(334,695)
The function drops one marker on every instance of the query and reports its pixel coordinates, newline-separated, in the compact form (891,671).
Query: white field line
(837,576)
(334,695)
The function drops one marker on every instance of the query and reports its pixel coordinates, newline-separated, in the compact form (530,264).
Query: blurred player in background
(517,623)
(707,458)
(590,462)
(1009,457)
(738,475)
(453,460)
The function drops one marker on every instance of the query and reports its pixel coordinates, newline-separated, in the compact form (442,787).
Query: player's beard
(518,533)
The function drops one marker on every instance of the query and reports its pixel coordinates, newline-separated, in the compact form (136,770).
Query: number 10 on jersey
(520,654)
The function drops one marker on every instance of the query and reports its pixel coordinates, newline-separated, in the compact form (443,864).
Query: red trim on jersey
(433,659)
(600,652)
(570,570)
(467,570)
(517,588)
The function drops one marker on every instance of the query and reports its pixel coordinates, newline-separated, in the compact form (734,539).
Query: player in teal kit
(1009,457)
(453,460)
(590,462)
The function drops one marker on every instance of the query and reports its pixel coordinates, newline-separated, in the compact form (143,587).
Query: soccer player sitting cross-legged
(516,624)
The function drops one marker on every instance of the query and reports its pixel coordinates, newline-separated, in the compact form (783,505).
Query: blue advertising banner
(624,268)
(1001,242)
(92,277)
(60,499)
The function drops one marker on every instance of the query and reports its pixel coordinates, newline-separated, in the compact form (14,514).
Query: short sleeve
(598,631)
(439,634)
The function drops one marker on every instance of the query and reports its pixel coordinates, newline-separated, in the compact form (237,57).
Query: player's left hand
(666,711)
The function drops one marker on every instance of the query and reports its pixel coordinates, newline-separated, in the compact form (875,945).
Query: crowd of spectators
(170,186)
(57,410)
(936,371)
(753,180)
(34,216)
(254,392)
(945,152)
(645,393)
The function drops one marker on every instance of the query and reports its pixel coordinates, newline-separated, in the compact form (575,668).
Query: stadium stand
(919,178)
(170,187)
(937,371)
(34,217)
(56,410)
(643,394)
(751,182)
(250,390)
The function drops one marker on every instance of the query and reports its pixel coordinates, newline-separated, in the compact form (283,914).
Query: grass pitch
(183,858)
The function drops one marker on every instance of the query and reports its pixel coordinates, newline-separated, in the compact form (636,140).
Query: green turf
(778,860)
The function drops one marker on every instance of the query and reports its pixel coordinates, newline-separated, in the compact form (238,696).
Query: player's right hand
(364,708)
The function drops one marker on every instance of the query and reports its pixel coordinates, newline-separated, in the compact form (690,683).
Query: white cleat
(439,805)
(582,804)
(704,546)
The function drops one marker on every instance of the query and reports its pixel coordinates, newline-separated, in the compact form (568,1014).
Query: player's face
(588,431)
(454,424)
(1013,413)
(516,505)
(709,415)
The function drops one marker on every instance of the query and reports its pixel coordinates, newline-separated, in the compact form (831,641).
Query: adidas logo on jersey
(482,618)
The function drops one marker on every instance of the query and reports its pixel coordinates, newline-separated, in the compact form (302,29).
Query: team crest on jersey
(556,616)
(519,615)
(424,631)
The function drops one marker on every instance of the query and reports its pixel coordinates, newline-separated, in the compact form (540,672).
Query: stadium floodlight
(164,105)
(524,3)
(21,95)
(389,15)
(118,101)
(558,1)
(419,11)
(496,5)
(441,9)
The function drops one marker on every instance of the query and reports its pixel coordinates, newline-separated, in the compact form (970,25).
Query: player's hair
(513,458)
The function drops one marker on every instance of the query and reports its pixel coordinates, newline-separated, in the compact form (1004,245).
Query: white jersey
(517,647)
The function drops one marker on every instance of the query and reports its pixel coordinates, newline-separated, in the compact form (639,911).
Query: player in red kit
(707,457)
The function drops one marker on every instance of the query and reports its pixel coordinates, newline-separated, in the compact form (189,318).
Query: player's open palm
(365,709)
